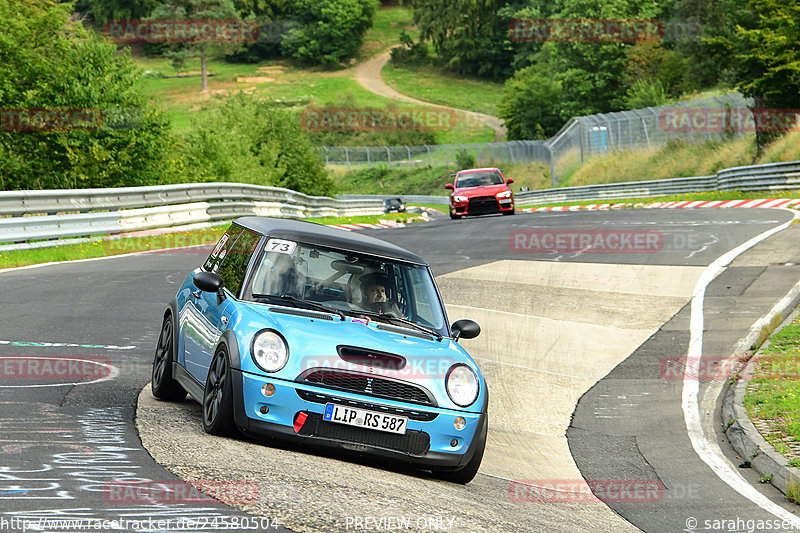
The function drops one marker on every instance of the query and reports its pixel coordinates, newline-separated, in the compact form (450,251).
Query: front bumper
(426,442)
(483,206)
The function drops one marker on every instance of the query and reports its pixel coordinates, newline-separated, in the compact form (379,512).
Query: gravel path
(368,74)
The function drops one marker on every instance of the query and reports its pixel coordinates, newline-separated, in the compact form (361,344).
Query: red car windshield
(479,179)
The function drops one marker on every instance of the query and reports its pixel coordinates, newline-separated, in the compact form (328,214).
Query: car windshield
(479,179)
(354,284)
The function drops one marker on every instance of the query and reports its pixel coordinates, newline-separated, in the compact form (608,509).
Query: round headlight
(269,351)
(462,385)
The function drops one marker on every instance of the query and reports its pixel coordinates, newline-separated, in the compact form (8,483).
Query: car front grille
(369,385)
(415,443)
(412,414)
(482,205)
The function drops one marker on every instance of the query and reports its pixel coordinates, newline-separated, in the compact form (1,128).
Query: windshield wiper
(402,321)
(301,302)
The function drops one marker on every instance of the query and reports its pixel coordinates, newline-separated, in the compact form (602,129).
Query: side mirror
(210,282)
(449,186)
(465,329)
(509,180)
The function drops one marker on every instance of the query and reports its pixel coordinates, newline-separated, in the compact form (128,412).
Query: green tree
(767,62)
(327,32)
(199,46)
(273,22)
(51,64)
(592,73)
(247,140)
(104,10)
(469,36)
(531,104)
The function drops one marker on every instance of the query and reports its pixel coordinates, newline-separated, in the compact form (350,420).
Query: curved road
(555,325)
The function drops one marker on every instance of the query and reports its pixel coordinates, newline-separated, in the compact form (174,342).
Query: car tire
(466,473)
(218,396)
(162,385)
(509,212)
(454,217)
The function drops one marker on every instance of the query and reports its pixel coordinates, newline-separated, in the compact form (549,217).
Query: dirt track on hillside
(368,74)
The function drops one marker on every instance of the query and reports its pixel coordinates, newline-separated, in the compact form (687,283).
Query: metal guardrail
(769,177)
(90,212)
(407,198)
(59,214)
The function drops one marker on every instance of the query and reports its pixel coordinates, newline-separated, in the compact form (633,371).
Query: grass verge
(385,31)
(439,87)
(773,396)
(677,159)
(104,247)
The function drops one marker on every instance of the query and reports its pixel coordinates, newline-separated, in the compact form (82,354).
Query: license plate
(362,418)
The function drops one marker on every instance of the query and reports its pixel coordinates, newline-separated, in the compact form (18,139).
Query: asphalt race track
(576,347)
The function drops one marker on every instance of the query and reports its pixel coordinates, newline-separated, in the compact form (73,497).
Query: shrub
(54,64)
(247,140)
(327,32)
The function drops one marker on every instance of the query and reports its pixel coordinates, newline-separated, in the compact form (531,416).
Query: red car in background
(480,191)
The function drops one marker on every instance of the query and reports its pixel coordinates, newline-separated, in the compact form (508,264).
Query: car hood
(488,190)
(314,343)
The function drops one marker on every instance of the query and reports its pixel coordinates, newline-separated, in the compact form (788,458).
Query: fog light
(268,389)
(454,443)
(459,423)
(264,409)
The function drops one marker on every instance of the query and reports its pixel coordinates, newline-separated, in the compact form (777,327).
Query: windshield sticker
(281,246)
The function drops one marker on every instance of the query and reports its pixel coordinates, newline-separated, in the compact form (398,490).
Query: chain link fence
(700,120)
(435,155)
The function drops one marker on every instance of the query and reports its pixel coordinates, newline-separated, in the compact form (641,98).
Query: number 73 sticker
(281,246)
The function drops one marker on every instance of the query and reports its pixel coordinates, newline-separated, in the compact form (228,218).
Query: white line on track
(710,452)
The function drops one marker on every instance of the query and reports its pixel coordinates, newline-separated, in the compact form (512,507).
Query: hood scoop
(300,312)
(371,358)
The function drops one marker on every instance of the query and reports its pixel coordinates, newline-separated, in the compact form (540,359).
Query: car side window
(222,247)
(233,267)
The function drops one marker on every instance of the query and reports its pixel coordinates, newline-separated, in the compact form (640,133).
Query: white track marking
(708,451)
(113,372)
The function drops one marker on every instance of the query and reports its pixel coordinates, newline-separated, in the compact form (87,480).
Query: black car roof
(317,234)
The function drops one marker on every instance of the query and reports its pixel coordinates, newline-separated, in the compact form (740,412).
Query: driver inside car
(376,291)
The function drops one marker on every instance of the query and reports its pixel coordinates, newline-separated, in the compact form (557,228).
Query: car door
(205,318)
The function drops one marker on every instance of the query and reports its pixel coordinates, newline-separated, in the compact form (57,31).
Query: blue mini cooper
(314,334)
